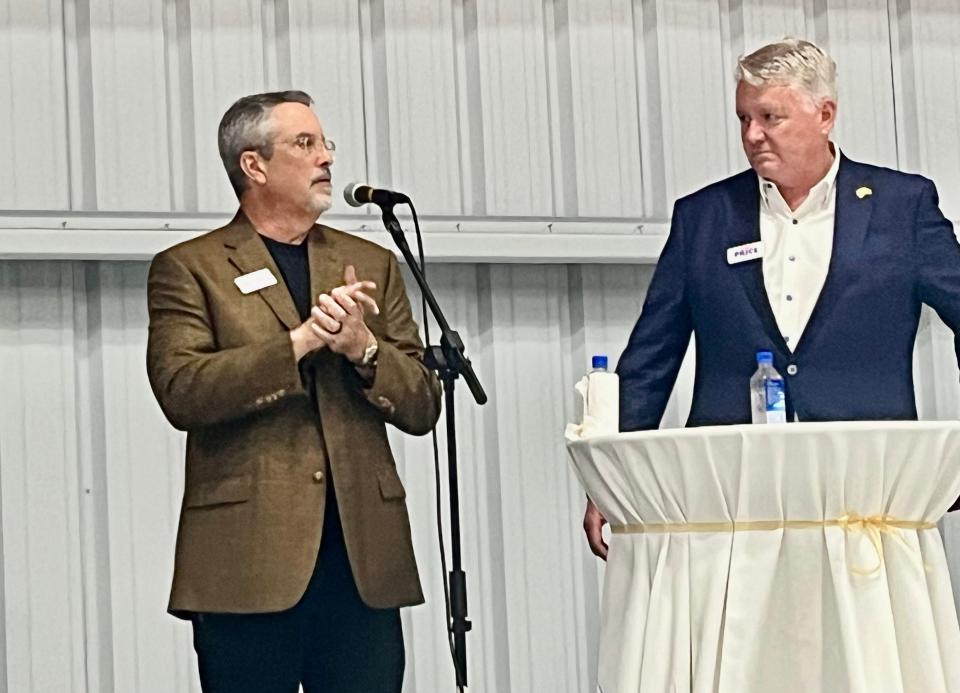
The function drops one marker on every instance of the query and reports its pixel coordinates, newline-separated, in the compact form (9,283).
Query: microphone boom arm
(455,360)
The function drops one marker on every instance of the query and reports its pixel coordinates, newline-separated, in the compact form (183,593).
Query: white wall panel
(227,48)
(860,44)
(419,95)
(768,20)
(39,497)
(605,119)
(696,95)
(143,460)
(513,85)
(552,108)
(129,99)
(33,116)
(931,79)
(532,381)
(325,47)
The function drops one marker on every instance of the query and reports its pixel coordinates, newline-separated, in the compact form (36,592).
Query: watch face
(370,354)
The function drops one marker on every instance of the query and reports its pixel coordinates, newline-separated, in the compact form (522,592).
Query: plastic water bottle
(768,400)
(601,406)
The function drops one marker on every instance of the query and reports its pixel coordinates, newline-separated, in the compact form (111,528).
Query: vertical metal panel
(420,97)
(605,102)
(930,57)
(33,115)
(325,46)
(129,105)
(532,381)
(696,95)
(42,578)
(513,87)
(765,21)
(860,45)
(227,52)
(143,465)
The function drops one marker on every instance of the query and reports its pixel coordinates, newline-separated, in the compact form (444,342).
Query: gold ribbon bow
(874,527)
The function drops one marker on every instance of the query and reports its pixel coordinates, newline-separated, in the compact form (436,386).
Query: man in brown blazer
(293,552)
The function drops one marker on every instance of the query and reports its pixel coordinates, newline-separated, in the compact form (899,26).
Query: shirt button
(789,297)
(792,369)
(318,477)
(786,339)
(792,258)
(795,222)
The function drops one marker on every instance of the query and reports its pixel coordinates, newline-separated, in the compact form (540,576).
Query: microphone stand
(450,362)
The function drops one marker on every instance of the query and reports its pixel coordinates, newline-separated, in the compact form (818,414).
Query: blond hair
(791,62)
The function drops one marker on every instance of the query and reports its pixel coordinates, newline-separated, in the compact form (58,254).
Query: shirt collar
(818,198)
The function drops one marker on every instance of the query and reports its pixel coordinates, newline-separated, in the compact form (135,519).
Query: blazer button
(792,369)
(318,477)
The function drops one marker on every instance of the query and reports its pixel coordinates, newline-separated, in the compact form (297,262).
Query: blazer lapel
(854,207)
(743,227)
(326,267)
(247,253)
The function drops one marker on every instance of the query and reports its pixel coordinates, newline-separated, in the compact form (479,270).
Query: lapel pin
(863,192)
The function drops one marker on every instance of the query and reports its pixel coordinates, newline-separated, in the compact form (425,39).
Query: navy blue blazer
(893,250)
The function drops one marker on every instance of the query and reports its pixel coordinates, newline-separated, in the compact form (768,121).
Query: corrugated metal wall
(477,108)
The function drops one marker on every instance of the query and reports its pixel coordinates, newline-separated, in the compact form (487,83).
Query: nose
(324,156)
(753,132)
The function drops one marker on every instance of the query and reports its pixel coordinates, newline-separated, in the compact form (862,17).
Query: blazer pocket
(219,492)
(390,485)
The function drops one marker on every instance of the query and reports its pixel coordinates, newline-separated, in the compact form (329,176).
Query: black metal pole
(458,579)
(450,362)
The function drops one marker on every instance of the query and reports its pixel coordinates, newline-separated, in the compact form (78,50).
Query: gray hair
(244,128)
(791,62)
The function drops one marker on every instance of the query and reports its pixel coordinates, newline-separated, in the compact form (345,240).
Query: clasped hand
(337,320)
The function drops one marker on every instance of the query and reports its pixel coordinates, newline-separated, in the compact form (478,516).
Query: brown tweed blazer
(222,368)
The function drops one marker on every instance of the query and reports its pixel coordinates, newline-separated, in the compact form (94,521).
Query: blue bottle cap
(765,357)
(599,361)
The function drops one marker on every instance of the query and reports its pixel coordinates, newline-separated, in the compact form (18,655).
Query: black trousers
(331,641)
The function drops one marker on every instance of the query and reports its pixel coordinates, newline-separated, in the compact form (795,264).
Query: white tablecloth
(784,610)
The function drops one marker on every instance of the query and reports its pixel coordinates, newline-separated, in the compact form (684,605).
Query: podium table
(791,558)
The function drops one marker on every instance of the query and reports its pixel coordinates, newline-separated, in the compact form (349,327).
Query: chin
(767,169)
(321,204)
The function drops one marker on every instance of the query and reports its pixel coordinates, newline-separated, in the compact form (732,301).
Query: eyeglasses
(310,144)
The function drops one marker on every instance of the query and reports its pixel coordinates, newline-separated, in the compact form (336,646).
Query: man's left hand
(338,317)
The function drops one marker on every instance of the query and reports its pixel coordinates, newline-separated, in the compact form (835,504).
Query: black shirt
(294,266)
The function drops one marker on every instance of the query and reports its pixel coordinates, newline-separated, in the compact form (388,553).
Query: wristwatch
(370,353)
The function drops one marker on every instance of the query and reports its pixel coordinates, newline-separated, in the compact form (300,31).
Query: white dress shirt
(797,246)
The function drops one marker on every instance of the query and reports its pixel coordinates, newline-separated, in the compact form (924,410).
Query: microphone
(357,194)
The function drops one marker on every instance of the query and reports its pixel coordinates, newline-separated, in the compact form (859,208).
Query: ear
(252,165)
(828,115)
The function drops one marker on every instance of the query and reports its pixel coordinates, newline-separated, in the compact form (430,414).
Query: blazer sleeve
(405,391)
(195,382)
(649,365)
(938,255)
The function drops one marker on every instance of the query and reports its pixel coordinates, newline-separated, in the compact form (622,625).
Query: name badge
(744,253)
(254,281)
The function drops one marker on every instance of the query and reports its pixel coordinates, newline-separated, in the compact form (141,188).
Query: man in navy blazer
(822,260)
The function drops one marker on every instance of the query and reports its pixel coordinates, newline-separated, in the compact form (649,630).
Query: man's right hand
(593,523)
(317,329)
(304,339)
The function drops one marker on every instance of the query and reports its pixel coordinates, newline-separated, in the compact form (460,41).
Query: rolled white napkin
(601,406)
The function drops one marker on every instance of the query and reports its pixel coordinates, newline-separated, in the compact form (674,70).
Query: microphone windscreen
(350,194)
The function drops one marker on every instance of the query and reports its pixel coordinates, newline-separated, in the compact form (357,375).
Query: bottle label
(776,403)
